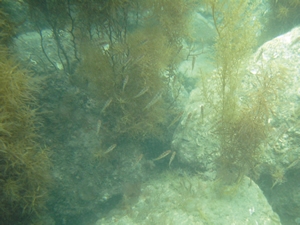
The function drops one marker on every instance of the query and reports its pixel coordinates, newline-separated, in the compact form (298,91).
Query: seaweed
(125,53)
(128,71)
(282,17)
(7,28)
(242,126)
(24,165)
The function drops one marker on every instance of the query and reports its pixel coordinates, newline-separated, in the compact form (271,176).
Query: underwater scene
(150,112)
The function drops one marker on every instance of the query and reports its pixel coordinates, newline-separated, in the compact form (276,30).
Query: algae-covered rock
(196,143)
(171,199)
(277,60)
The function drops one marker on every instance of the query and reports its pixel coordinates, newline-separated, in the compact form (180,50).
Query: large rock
(197,145)
(171,199)
(195,141)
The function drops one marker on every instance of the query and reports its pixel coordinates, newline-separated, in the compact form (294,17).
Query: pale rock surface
(176,200)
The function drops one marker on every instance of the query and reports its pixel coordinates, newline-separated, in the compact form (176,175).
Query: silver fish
(172,157)
(177,118)
(193,62)
(125,81)
(143,91)
(163,155)
(107,103)
(139,59)
(112,147)
(98,127)
(126,63)
(153,101)
(144,42)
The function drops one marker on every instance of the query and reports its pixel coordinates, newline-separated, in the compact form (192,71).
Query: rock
(194,139)
(171,199)
(197,145)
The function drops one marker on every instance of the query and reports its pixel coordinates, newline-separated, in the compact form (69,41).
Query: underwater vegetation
(7,30)
(285,10)
(282,17)
(112,71)
(124,55)
(24,163)
(242,123)
(130,74)
(132,93)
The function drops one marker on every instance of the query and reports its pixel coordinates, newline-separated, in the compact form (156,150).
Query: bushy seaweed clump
(126,54)
(242,123)
(7,30)
(24,164)
(130,70)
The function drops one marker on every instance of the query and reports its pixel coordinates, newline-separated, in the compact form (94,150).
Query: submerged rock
(197,145)
(195,139)
(171,199)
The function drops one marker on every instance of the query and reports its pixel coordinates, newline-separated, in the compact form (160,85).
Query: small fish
(144,42)
(193,62)
(98,126)
(172,157)
(127,61)
(126,64)
(293,164)
(153,101)
(187,118)
(125,81)
(163,155)
(139,58)
(143,91)
(179,49)
(107,103)
(176,119)
(112,147)
(138,160)
(202,113)
(190,115)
